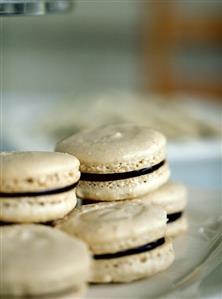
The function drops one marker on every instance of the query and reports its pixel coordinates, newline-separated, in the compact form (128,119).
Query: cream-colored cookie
(37,186)
(118,161)
(172,197)
(121,233)
(38,260)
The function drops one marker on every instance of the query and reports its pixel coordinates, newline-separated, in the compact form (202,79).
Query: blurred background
(157,63)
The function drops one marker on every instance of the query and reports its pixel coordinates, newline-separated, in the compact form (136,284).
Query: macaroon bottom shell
(133,267)
(37,209)
(123,189)
(71,294)
(177,227)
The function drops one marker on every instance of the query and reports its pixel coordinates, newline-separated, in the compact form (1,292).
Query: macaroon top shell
(113,144)
(172,197)
(37,171)
(38,260)
(115,226)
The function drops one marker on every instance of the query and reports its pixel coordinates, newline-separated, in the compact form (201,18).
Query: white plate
(197,254)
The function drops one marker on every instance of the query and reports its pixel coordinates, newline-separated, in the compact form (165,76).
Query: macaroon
(118,161)
(38,261)
(127,239)
(37,187)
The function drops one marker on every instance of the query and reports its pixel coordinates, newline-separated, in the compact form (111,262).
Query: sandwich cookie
(127,239)
(172,197)
(37,186)
(41,262)
(118,161)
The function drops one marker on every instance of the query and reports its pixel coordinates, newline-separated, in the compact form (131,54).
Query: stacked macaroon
(121,165)
(37,187)
(38,261)
(127,239)
(118,162)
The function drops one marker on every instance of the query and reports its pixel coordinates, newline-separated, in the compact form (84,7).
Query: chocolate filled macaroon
(37,187)
(127,239)
(118,161)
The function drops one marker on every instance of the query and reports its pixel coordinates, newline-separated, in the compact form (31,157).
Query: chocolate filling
(104,177)
(88,202)
(173,217)
(137,250)
(38,193)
